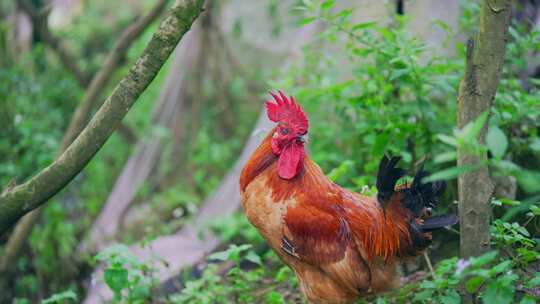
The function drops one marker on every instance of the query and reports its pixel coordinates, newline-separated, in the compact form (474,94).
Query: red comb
(288,111)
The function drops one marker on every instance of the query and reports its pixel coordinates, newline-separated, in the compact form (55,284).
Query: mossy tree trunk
(485,57)
(19,200)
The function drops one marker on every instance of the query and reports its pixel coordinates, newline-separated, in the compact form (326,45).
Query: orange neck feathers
(261,159)
(264,160)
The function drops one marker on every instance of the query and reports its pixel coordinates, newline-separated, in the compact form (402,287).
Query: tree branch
(485,57)
(39,24)
(100,80)
(21,199)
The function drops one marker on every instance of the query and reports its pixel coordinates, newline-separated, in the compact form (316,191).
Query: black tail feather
(419,197)
(438,222)
(418,241)
(422,195)
(387,177)
(417,232)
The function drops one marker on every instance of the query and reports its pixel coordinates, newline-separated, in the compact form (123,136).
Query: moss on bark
(21,199)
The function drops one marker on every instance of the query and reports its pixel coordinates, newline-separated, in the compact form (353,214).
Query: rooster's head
(289,135)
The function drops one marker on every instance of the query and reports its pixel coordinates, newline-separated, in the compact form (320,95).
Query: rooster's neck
(263,162)
(260,160)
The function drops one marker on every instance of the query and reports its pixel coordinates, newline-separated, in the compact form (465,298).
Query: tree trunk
(485,56)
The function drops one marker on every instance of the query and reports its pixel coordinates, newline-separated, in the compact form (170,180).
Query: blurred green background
(372,79)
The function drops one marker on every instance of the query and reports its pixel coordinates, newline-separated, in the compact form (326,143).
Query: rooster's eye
(284,131)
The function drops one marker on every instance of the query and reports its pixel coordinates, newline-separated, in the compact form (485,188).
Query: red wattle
(289,161)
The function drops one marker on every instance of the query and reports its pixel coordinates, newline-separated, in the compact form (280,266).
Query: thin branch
(430,266)
(17,239)
(39,23)
(22,199)
(127,133)
(100,80)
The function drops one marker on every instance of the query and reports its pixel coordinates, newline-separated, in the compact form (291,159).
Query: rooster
(342,245)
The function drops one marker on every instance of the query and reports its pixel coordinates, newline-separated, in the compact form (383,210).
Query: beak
(302,138)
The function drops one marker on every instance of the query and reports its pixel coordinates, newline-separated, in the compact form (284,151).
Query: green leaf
(497,292)
(527,300)
(327,5)
(232,253)
(380,300)
(535,281)
(477,125)
(116,279)
(274,297)
(446,266)
(220,256)
(141,292)
(427,285)
(342,15)
(254,258)
(308,20)
(496,141)
(484,259)
(397,73)
(62,297)
(283,274)
(449,173)
(423,295)
(523,231)
(509,202)
(535,145)
(443,175)
(114,253)
(501,267)
(496,202)
(528,180)
(445,157)
(451,297)
(447,140)
(363,25)
(472,284)
(534,209)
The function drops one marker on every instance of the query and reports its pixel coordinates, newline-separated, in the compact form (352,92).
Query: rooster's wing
(319,235)
(316,234)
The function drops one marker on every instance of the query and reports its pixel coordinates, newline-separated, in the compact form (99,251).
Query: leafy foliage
(242,281)
(62,297)
(130,279)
